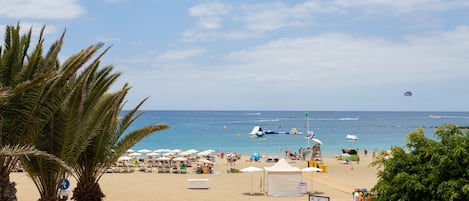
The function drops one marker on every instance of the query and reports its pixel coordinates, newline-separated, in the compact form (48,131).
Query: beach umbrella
(203,160)
(208,151)
(175,151)
(153,154)
(311,169)
(188,152)
(192,150)
(144,151)
(135,154)
(130,151)
(162,150)
(179,159)
(255,156)
(251,169)
(162,158)
(205,153)
(124,158)
(169,154)
(185,153)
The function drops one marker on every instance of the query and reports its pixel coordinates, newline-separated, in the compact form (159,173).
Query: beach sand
(338,183)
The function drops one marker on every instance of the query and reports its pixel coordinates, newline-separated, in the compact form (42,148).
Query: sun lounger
(198,183)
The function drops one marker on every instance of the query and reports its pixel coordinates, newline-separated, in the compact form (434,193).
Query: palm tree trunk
(49,198)
(87,191)
(7,188)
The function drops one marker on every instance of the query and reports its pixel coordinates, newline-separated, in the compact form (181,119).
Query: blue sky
(270,55)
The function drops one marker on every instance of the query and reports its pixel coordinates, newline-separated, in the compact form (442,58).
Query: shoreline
(338,183)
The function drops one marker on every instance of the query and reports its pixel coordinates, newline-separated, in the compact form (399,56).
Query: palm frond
(27,151)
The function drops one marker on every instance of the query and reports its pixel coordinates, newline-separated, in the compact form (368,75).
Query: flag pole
(307,126)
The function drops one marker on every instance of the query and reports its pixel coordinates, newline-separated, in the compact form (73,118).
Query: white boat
(351,137)
(293,131)
(257,130)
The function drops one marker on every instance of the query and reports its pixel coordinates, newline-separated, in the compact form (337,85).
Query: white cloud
(210,14)
(41,9)
(272,16)
(180,54)
(247,20)
(216,20)
(343,61)
(403,6)
(336,65)
(171,60)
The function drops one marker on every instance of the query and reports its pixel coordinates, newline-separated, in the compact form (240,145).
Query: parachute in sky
(408,93)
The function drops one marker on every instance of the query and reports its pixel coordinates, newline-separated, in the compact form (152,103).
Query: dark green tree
(107,145)
(433,169)
(28,84)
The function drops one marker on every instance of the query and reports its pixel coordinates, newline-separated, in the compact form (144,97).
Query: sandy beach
(338,183)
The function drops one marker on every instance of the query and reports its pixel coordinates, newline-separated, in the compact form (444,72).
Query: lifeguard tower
(316,155)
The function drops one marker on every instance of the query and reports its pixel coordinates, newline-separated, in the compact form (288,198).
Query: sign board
(317,198)
(64,184)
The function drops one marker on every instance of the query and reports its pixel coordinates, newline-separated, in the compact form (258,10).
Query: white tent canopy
(283,180)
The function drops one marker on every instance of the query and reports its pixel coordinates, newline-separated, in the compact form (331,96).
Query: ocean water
(228,131)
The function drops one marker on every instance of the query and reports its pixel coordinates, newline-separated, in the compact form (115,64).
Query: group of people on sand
(232,157)
(303,153)
(361,195)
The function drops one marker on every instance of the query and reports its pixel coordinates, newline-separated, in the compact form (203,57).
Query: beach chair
(182,169)
(160,169)
(174,169)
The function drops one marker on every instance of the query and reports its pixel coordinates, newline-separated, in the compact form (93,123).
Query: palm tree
(28,83)
(109,143)
(87,117)
(72,126)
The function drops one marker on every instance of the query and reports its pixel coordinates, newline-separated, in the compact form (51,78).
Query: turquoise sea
(228,131)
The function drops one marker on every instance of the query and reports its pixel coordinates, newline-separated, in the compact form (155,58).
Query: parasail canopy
(408,93)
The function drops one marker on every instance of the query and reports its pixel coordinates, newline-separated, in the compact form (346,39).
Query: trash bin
(303,187)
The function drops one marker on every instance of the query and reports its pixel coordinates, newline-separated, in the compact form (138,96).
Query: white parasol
(162,150)
(203,160)
(188,152)
(175,151)
(311,169)
(153,154)
(205,153)
(162,158)
(251,169)
(179,159)
(135,154)
(124,158)
(144,151)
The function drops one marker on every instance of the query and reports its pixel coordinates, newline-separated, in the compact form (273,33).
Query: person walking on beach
(356,195)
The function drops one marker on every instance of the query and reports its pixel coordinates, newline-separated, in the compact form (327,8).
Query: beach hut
(283,180)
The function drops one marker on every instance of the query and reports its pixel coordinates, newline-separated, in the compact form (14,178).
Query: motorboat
(257,130)
(351,137)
